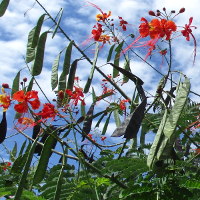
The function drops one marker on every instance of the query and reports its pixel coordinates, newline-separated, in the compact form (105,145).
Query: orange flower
(30,97)
(103,16)
(5,101)
(26,121)
(104,38)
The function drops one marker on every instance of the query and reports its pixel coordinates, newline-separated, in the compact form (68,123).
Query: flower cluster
(104,30)
(162,27)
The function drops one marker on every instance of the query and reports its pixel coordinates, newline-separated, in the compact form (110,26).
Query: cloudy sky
(77,21)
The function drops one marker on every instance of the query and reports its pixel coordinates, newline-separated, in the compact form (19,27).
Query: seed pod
(152,13)
(182,10)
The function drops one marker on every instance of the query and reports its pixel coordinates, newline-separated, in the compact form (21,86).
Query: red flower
(123,23)
(76,95)
(48,111)
(103,138)
(97,32)
(187,32)
(30,97)
(157,28)
(122,105)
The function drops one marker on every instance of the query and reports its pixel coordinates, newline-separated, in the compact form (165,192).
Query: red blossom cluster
(160,28)
(25,101)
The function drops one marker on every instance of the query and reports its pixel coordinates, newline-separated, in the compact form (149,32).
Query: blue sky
(78,21)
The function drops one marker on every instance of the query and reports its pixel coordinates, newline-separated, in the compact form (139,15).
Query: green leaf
(166,135)
(13,152)
(106,124)
(157,141)
(172,121)
(110,53)
(127,68)
(101,118)
(117,118)
(22,148)
(94,97)
(66,66)
(33,38)
(117,58)
(3,7)
(30,85)
(30,51)
(72,73)
(37,31)
(44,158)
(23,179)
(15,85)
(89,81)
(58,23)
(54,72)
(82,109)
(38,62)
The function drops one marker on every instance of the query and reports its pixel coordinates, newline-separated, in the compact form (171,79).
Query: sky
(77,21)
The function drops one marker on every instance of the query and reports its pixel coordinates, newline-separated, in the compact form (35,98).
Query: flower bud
(24,79)
(152,13)
(173,11)
(182,10)
(5,85)
(164,9)
(61,94)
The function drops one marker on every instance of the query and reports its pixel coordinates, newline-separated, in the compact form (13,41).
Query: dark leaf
(88,121)
(3,7)
(3,128)
(72,73)
(128,74)
(130,127)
